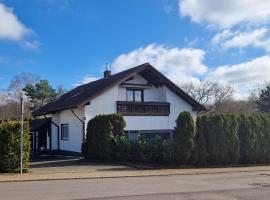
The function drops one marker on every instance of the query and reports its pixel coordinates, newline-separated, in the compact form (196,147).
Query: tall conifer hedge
(217,139)
(184,137)
(10,146)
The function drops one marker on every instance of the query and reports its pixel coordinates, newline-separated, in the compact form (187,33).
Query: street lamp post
(21,150)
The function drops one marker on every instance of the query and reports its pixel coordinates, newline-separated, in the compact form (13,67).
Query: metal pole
(21,156)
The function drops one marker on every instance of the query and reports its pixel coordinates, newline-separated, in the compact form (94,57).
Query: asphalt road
(230,186)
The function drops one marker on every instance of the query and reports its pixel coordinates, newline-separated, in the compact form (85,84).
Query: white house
(149,102)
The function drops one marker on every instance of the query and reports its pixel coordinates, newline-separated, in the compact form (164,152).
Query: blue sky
(68,42)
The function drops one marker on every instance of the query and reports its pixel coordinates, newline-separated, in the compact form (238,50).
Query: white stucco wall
(75,130)
(146,122)
(137,79)
(178,105)
(154,94)
(105,103)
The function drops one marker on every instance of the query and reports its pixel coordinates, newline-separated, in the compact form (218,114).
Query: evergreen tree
(42,92)
(184,137)
(263,102)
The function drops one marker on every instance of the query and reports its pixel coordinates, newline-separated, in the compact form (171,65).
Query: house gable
(83,94)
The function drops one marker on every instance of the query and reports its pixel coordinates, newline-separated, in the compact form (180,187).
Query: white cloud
(180,65)
(86,79)
(259,38)
(226,13)
(10,26)
(221,36)
(244,76)
(185,65)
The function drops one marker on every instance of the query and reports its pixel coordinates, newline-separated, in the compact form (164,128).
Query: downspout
(58,135)
(83,124)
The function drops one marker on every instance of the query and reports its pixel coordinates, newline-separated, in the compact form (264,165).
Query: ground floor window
(165,134)
(64,131)
(132,135)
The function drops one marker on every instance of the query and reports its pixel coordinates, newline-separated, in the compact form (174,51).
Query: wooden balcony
(143,108)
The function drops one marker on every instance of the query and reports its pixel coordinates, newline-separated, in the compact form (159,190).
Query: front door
(42,140)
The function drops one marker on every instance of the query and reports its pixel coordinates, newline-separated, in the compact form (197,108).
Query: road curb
(131,176)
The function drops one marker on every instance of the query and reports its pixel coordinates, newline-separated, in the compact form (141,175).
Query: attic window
(135,95)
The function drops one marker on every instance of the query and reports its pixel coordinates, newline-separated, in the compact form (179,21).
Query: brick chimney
(107,72)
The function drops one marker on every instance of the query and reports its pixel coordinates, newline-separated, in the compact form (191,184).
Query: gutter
(83,124)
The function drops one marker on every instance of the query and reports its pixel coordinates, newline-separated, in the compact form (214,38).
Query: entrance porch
(41,140)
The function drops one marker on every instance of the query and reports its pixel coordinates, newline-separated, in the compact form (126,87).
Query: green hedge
(231,139)
(184,137)
(254,135)
(217,139)
(220,139)
(155,150)
(145,150)
(100,136)
(10,146)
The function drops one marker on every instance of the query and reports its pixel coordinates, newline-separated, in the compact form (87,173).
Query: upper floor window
(64,131)
(135,95)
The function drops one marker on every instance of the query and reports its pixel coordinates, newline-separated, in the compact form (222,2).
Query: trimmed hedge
(217,139)
(184,137)
(231,139)
(10,146)
(155,150)
(100,136)
(220,139)
(145,150)
(254,135)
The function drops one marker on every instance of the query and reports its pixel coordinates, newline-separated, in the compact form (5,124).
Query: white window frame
(64,137)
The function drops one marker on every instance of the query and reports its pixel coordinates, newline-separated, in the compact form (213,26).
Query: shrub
(254,136)
(184,137)
(247,139)
(151,149)
(118,124)
(100,137)
(265,139)
(122,148)
(10,146)
(168,152)
(218,135)
(155,150)
(200,152)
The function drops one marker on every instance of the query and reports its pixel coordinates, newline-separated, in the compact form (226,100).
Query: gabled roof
(81,95)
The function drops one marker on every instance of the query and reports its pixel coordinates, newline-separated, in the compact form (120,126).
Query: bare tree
(222,93)
(238,106)
(209,94)
(202,92)
(9,99)
(19,82)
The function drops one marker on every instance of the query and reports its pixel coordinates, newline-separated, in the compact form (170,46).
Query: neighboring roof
(82,94)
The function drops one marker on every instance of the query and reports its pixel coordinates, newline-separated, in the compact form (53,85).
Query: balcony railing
(143,108)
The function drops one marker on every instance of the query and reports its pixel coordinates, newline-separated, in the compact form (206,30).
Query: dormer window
(135,95)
